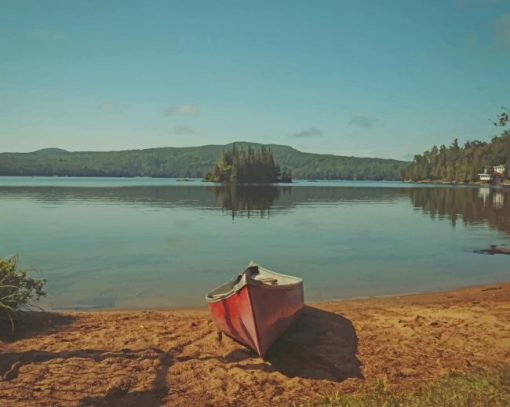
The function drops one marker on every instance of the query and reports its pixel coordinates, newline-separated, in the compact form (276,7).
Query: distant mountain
(190,162)
(50,151)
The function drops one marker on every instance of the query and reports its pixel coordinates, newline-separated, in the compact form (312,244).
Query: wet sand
(154,358)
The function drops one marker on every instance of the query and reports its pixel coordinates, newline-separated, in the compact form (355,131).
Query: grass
(474,389)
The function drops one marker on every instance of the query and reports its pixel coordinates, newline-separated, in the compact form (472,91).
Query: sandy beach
(174,357)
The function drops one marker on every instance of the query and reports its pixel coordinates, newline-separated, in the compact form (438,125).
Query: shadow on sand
(30,324)
(319,345)
(117,394)
(34,324)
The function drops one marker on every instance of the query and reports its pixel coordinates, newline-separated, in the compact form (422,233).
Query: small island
(252,166)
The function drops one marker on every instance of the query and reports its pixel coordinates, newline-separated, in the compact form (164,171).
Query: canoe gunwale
(241,281)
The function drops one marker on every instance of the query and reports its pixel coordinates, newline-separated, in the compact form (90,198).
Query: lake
(133,243)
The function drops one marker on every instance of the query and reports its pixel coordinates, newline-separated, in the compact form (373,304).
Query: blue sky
(367,78)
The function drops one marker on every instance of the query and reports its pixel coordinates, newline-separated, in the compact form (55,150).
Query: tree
(256,166)
(502,118)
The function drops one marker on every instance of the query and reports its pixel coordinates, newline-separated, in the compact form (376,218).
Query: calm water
(161,243)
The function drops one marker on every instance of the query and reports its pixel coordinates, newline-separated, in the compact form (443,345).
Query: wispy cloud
(183,131)
(48,35)
(364,122)
(112,107)
(311,132)
(501,29)
(182,110)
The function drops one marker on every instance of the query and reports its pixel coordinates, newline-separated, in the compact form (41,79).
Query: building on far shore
(485,176)
(496,176)
(499,170)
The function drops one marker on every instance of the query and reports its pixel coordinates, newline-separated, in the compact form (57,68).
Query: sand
(154,358)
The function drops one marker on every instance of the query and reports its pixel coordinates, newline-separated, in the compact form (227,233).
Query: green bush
(17,289)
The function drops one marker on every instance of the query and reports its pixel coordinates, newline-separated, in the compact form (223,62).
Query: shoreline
(505,184)
(447,290)
(318,303)
(173,356)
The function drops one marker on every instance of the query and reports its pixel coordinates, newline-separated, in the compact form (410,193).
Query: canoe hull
(257,315)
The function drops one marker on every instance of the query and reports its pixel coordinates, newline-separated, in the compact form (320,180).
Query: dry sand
(154,358)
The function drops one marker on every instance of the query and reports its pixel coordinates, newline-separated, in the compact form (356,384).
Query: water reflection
(151,246)
(244,200)
(473,206)
(469,205)
(239,199)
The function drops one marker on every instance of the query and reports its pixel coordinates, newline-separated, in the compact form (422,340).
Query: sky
(372,78)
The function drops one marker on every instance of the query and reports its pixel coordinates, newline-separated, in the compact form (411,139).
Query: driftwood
(493,249)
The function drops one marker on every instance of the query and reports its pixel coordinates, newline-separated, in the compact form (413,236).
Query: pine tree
(256,166)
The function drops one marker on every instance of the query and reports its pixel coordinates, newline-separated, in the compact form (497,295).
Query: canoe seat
(268,281)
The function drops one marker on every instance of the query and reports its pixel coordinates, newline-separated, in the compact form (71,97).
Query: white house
(497,173)
(499,170)
(485,176)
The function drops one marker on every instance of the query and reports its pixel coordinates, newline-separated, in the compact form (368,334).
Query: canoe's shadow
(319,345)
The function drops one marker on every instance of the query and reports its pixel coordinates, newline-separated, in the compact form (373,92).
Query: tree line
(457,163)
(191,162)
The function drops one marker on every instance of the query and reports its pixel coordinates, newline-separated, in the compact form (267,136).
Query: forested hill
(459,163)
(190,162)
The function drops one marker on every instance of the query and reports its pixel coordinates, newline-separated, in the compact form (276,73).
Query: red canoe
(256,307)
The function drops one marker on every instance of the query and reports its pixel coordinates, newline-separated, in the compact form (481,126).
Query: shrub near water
(475,389)
(17,289)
